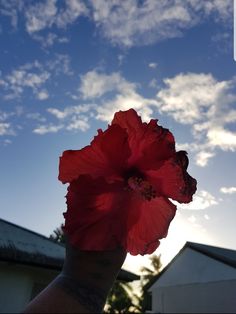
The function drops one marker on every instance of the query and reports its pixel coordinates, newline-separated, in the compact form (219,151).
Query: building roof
(222,255)
(23,246)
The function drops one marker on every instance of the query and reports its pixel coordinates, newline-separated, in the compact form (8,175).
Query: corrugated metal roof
(25,246)
(20,245)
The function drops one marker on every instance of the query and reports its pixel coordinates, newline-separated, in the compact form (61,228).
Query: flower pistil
(142,187)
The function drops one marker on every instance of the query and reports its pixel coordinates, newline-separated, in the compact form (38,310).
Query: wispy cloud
(41,15)
(11,9)
(206,104)
(35,116)
(33,77)
(108,94)
(28,76)
(71,118)
(95,84)
(131,23)
(228,190)
(44,129)
(201,200)
(125,23)
(49,39)
(42,95)
(119,94)
(75,118)
(152,65)
(6,127)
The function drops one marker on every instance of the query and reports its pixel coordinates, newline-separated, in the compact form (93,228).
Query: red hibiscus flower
(120,186)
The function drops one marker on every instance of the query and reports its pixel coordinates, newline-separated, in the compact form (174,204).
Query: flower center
(141,186)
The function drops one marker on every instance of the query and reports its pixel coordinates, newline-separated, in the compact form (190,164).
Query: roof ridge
(207,250)
(190,243)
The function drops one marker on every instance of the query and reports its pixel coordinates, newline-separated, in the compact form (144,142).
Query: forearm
(83,285)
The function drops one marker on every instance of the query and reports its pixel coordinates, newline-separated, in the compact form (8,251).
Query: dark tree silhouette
(120,299)
(58,235)
(149,276)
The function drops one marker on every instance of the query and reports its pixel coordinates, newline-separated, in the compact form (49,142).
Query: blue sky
(67,66)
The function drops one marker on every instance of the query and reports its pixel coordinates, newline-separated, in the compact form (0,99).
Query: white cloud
(11,9)
(49,39)
(42,95)
(228,190)
(70,111)
(111,92)
(131,99)
(222,138)
(152,65)
(21,78)
(131,23)
(153,83)
(119,93)
(191,91)
(203,157)
(60,64)
(78,123)
(5,128)
(74,9)
(201,200)
(44,129)
(121,59)
(41,15)
(4,115)
(95,84)
(6,142)
(34,76)
(71,118)
(126,23)
(206,104)
(35,116)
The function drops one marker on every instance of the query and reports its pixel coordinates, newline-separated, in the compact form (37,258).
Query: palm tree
(119,300)
(148,278)
(58,235)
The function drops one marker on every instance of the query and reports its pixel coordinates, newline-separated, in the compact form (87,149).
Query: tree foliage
(148,278)
(58,235)
(119,300)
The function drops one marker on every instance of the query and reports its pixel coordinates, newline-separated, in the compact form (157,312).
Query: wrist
(96,268)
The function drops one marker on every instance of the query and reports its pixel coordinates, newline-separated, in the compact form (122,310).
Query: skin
(83,284)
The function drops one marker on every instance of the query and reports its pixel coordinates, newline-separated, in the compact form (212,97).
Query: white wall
(16,284)
(214,297)
(193,267)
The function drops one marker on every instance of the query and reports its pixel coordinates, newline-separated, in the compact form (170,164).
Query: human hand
(83,285)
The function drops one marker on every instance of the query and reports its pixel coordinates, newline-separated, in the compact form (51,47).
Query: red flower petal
(153,221)
(106,156)
(95,214)
(150,144)
(172,179)
(102,216)
(120,185)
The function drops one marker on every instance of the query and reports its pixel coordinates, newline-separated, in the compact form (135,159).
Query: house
(200,279)
(28,262)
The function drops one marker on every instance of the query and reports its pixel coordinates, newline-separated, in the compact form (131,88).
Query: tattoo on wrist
(90,297)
